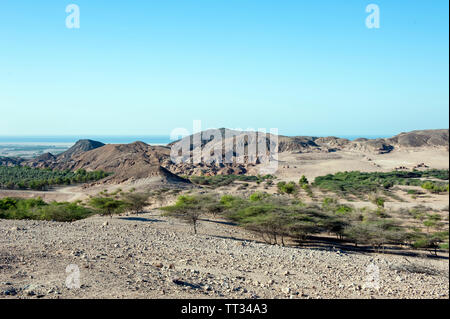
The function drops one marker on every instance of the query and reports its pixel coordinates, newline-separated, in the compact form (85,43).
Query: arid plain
(150,255)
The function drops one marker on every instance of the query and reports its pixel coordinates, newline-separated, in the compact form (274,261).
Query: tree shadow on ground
(325,243)
(329,244)
(185,284)
(141,219)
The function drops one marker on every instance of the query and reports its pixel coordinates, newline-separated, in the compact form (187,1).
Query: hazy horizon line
(85,136)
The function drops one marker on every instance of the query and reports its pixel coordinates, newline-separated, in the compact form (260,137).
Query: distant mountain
(423,138)
(140,162)
(10,161)
(137,161)
(45,157)
(292,144)
(80,147)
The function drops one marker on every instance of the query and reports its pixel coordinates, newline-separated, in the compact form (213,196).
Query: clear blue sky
(146,67)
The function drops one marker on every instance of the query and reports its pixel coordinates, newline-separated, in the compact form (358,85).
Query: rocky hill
(80,147)
(409,140)
(364,145)
(242,163)
(128,162)
(46,157)
(141,162)
(135,162)
(423,138)
(228,152)
(413,140)
(63,160)
(305,144)
(10,161)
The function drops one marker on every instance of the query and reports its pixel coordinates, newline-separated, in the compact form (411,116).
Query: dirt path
(74,193)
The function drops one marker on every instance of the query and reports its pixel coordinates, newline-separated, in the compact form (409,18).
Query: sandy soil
(61,194)
(293,166)
(149,256)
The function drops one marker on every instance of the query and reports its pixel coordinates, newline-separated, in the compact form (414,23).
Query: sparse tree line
(23,177)
(277,218)
(435,188)
(37,209)
(360,184)
(119,202)
(274,218)
(103,204)
(344,184)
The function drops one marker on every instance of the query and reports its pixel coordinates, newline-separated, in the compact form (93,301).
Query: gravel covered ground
(150,256)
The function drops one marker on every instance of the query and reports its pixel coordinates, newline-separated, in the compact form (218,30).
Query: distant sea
(110,139)
(32,146)
(64,140)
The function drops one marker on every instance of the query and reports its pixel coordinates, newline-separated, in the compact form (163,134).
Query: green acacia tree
(190,208)
(136,202)
(107,206)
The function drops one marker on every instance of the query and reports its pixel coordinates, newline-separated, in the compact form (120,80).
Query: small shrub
(258,196)
(303,180)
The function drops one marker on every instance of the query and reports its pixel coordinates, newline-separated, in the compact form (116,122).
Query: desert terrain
(149,255)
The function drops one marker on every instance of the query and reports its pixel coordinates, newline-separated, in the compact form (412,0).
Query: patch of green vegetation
(359,183)
(23,177)
(432,187)
(118,201)
(303,181)
(377,200)
(258,196)
(104,204)
(269,182)
(37,209)
(434,241)
(287,188)
(276,218)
